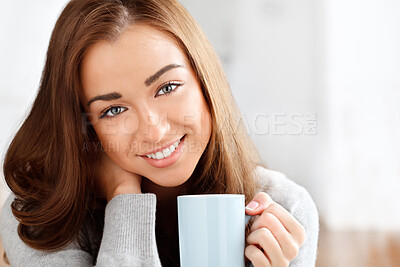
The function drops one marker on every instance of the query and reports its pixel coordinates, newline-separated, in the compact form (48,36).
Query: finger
(288,221)
(287,244)
(259,203)
(265,239)
(256,256)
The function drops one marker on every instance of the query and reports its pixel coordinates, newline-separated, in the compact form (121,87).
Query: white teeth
(165,152)
(159,155)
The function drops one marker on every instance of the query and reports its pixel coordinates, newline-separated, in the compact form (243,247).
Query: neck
(166,218)
(166,196)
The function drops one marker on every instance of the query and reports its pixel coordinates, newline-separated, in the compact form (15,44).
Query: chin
(171,180)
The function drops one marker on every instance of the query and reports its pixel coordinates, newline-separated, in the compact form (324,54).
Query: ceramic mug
(212,230)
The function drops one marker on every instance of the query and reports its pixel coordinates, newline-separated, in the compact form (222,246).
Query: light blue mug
(212,230)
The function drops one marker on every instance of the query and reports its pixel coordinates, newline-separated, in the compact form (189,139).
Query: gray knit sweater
(129,237)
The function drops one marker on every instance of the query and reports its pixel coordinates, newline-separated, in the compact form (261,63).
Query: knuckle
(268,219)
(261,222)
(264,196)
(292,252)
(302,234)
(256,256)
(249,252)
(266,216)
(273,205)
(271,217)
(250,238)
(285,263)
(265,233)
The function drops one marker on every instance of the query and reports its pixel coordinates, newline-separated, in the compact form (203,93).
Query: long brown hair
(46,166)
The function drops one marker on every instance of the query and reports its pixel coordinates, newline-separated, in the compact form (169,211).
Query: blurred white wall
(362,81)
(317,82)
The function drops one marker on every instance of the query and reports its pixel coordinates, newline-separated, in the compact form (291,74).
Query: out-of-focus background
(318,83)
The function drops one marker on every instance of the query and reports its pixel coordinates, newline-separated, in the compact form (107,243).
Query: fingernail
(252,205)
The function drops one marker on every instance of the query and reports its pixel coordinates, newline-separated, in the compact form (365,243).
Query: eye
(168,88)
(112,112)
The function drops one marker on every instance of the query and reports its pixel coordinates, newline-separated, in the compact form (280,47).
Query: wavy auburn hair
(46,166)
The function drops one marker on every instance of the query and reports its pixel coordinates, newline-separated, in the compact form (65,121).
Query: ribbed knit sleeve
(129,232)
(128,237)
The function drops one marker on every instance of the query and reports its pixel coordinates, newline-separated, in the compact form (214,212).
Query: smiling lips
(167,156)
(166,152)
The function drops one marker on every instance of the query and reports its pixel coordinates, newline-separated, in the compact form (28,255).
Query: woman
(133,110)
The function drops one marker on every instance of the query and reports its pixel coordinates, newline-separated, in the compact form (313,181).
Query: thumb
(259,203)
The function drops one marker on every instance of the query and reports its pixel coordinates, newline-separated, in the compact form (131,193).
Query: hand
(112,180)
(275,236)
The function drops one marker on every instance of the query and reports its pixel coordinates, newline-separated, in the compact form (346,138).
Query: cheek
(200,125)
(202,117)
(205,126)
(116,129)
(114,137)
(193,111)
(206,123)
(123,124)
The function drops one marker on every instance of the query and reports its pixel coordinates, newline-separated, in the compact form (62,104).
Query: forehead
(140,51)
(138,40)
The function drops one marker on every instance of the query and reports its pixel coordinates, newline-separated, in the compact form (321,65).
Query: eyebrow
(157,75)
(147,82)
(107,97)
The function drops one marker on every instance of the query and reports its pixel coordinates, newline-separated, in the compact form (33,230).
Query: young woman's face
(146,105)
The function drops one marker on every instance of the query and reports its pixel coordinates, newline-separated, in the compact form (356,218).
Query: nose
(153,125)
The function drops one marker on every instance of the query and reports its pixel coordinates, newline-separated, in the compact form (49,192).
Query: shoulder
(283,190)
(20,254)
(9,231)
(7,219)
(11,241)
